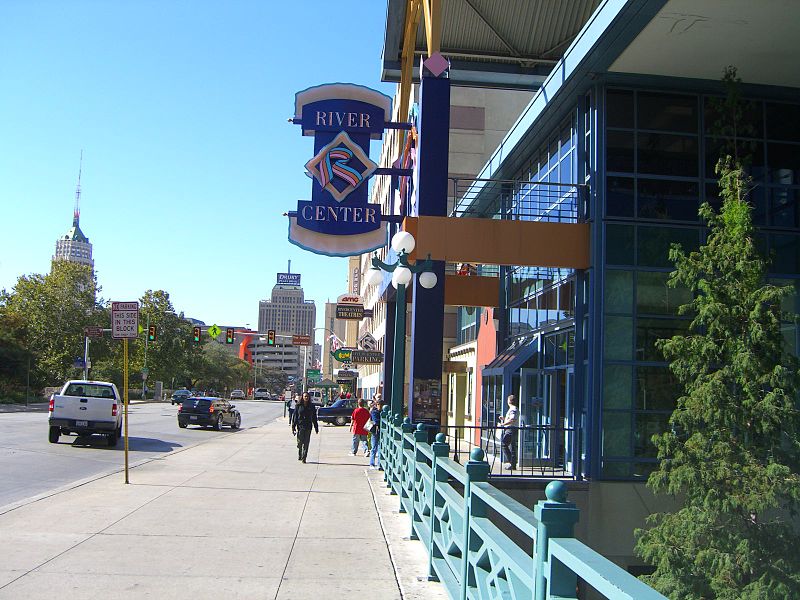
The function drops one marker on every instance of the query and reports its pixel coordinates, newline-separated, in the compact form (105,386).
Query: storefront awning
(514,356)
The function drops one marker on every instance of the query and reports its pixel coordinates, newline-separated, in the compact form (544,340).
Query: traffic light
(229,336)
(270,337)
(151,333)
(196,335)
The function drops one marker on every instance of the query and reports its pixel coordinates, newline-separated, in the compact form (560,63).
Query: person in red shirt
(357,420)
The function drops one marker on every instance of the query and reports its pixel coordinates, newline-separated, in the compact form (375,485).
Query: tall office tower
(287,311)
(74,246)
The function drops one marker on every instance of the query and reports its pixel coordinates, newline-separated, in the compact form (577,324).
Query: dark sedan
(210,412)
(180,395)
(337,413)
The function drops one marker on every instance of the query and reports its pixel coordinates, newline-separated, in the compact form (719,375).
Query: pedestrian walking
(509,440)
(358,419)
(375,417)
(304,417)
(291,404)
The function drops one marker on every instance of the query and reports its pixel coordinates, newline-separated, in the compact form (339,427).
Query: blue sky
(180,109)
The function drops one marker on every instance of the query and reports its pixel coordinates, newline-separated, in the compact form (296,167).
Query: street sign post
(93,331)
(301,340)
(125,326)
(124,320)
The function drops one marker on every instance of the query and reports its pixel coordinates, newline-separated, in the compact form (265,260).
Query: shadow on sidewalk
(135,444)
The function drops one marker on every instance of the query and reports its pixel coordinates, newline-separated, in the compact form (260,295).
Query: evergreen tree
(732,453)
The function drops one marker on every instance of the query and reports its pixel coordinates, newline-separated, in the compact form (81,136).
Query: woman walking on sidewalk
(304,418)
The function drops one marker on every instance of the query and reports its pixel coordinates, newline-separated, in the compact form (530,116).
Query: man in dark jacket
(304,418)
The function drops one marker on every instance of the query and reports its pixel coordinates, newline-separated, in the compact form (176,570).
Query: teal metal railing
(465,522)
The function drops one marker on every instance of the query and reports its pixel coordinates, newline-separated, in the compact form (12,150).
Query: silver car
(237,395)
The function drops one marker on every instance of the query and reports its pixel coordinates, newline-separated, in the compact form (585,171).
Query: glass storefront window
(667,112)
(668,199)
(618,386)
(619,292)
(656,388)
(619,244)
(616,434)
(620,198)
(619,151)
(649,331)
(667,154)
(654,296)
(654,244)
(619,108)
(618,343)
(647,425)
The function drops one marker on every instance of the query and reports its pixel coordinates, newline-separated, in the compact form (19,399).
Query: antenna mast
(76,214)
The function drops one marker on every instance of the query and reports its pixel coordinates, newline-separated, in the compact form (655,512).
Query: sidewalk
(235,517)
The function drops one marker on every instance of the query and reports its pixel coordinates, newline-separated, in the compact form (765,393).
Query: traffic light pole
(86,358)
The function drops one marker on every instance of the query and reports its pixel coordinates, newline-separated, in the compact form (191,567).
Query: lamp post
(402,273)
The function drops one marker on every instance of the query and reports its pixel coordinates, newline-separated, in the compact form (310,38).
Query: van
(317,397)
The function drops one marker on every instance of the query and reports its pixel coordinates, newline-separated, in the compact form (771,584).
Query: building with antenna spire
(74,246)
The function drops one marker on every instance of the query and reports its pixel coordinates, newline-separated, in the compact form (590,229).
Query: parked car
(210,412)
(261,394)
(179,396)
(237,395)
(86,407)
(337,413)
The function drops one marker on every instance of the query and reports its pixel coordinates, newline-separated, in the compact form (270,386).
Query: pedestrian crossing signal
(271,337)
(151,333)
(197,335)
(229,336)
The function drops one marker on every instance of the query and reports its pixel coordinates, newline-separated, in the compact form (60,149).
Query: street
(30,465)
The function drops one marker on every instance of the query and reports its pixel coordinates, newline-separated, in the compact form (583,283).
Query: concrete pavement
(237,517)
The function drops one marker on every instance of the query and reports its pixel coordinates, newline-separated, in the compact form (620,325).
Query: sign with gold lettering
(338,220)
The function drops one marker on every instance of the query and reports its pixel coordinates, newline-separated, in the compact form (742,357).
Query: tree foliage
(732,452)
(46,315)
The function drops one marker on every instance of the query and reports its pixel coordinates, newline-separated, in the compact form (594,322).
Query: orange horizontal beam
(471,291)
(496,242)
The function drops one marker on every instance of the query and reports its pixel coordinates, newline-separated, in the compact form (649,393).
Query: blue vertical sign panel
(338,220)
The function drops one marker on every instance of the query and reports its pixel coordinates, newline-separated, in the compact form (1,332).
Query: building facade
(287,311)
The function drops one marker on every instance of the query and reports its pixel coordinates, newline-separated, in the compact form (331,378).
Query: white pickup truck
(84,408)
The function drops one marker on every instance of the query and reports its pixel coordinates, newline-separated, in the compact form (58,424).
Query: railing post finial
(557,519)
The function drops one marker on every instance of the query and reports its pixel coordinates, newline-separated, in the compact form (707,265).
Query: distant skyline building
(287,311)
(74,246)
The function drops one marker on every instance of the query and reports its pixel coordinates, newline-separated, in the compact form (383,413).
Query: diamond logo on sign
(214,332)
(341,166)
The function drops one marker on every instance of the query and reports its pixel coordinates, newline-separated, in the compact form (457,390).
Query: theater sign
(338,220)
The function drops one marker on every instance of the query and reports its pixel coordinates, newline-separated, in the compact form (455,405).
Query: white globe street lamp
(427,279)
(404,242)
(401,276)
(374,276)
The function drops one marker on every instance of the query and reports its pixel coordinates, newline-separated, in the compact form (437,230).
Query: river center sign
(338,220)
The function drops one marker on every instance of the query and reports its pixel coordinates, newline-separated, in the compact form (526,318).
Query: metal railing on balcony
(538,451)
(481,543)
(517,200)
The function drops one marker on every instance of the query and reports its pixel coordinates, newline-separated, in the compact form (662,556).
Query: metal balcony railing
(539,451)
(517,200)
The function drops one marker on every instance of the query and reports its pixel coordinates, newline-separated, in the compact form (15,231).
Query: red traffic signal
(270,337)
(229,336)
(197,335)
